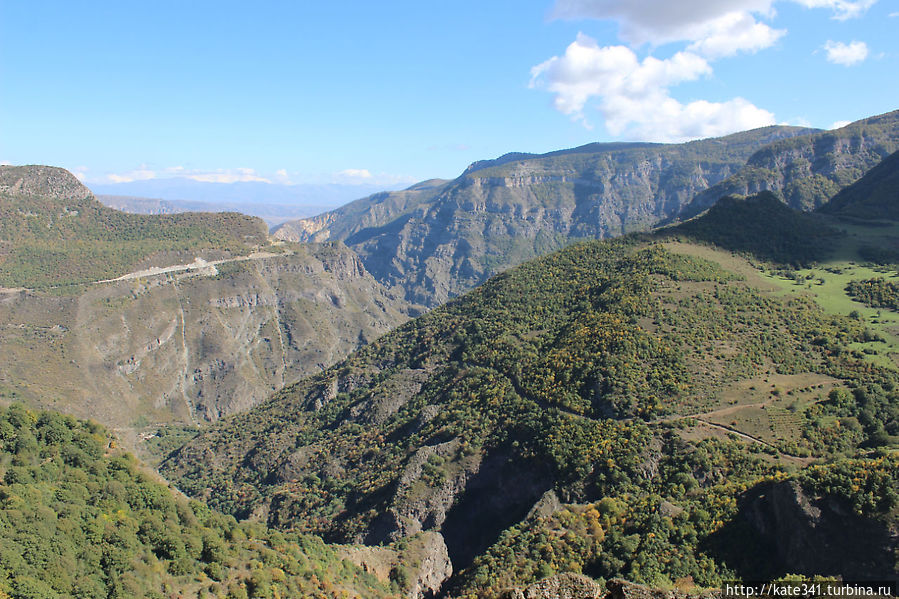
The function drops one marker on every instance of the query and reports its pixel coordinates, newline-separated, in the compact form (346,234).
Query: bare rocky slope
(439,239)
(806,171)
(874,196)
(187,346)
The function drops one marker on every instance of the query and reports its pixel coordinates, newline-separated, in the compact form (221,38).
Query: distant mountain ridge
(272,214)
(806,171)
(243,192)
(874,196)
(439,240)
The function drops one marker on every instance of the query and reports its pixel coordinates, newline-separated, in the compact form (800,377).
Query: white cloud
(5,163)
(217,176)
(846,54)
(894,14)
(839,124)
(633,95)
(659,21)
(732,33)
(355,173)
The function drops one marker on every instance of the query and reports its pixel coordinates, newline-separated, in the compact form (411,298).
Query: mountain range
(712,400)
(441,240)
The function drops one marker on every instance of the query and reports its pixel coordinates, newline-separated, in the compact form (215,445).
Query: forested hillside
(616,409)
(80,519)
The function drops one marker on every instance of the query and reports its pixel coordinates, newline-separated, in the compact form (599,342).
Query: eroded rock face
(424,562)
(818,535)
(808,171)
(192,347)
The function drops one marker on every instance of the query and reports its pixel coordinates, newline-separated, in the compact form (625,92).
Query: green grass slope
(609,409)
(53,232)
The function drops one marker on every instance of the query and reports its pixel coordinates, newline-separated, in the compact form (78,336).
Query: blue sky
(396,92)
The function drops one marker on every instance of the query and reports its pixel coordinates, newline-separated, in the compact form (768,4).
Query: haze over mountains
(273,202)
(712,400)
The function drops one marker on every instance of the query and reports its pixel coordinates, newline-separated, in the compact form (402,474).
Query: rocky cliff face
(812,535)
(190,346)
(437,240)
(421,566)
(807,171)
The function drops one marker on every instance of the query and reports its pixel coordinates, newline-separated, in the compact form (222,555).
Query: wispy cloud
(143,173)
(846,54)
(139,174)
(355,173)
(839,124)
(238,175)
(360,176)
(843,9)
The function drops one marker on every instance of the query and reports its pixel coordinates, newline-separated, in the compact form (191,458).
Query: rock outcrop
(47,181)
(421,566)
(578,586)
(818,535)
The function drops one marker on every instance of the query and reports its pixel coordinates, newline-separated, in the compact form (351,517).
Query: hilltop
(54,232)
